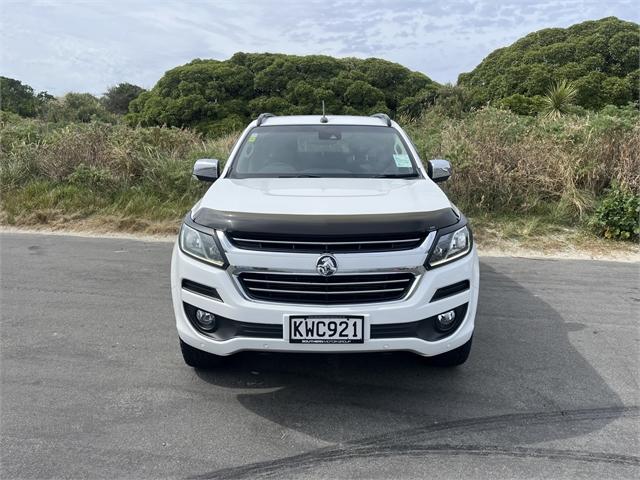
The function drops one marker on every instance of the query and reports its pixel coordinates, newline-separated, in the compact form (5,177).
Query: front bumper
(235,305)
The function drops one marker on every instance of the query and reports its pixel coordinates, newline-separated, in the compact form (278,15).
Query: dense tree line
(117,98)
(20,98)
(596,60)
(215,95)
(600,58)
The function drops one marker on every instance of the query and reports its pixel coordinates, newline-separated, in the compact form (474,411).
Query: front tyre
(197,358)
(454,357)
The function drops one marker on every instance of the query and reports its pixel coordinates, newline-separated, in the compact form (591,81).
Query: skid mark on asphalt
(395,444)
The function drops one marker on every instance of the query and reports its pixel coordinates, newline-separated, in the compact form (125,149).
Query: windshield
(323,151)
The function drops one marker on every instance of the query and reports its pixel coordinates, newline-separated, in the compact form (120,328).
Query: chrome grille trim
(310,288)
(317,283)
(313,292)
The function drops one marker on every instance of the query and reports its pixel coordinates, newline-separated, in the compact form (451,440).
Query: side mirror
(439,169)
(206,169)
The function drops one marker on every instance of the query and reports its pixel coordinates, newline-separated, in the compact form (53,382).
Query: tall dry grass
(124,153)
(504,162)
(53,174)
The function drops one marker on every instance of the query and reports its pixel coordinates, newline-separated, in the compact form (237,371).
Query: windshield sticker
(252,137)
(402,161)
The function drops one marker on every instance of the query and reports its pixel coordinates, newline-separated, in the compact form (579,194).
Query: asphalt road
(93,385)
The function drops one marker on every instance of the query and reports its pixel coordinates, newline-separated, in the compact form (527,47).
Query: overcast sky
(73,45)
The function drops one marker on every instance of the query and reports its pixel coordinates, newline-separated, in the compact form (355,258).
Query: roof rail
(384,117)
(262,117)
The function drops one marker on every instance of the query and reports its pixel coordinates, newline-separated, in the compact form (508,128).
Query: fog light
(445,320)
(206,321)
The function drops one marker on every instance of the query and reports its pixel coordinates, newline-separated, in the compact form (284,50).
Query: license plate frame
(335,339)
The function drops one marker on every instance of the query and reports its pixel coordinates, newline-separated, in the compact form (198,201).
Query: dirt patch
(560,243)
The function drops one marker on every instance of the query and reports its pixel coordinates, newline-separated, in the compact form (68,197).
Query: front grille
(315,244)
(337,289)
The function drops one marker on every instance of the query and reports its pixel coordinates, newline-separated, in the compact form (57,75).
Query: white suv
(324,234)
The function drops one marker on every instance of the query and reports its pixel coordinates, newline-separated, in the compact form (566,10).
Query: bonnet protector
(326,225)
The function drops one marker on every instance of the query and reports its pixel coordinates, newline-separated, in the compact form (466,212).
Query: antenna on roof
(323,118)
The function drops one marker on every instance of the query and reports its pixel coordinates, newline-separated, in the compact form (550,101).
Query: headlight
(451,246)
(200,245)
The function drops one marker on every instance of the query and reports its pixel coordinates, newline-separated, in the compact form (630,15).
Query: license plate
(319,329)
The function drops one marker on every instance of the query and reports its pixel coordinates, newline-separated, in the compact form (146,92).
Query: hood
(324,206)
(323,196)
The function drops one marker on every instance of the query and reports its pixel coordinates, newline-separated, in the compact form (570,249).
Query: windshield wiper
(300,176)
(404,175)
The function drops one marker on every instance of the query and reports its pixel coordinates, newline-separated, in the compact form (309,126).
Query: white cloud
(88,45)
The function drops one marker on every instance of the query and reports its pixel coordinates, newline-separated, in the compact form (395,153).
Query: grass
(135,209)
(521,179)
(541,235)
(111,177)
(505,162)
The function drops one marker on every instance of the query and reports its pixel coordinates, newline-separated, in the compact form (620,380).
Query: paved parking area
(93,385)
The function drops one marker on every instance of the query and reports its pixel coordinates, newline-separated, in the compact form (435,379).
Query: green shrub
(95,178)
(505,162)
(19,167)
(600,57)
(522,105)
(617,215)
(19,98)
(118,97)
(219,97)
(77,107)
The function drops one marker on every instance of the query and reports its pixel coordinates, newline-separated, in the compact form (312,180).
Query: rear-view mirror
(206,169)
(439,169)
